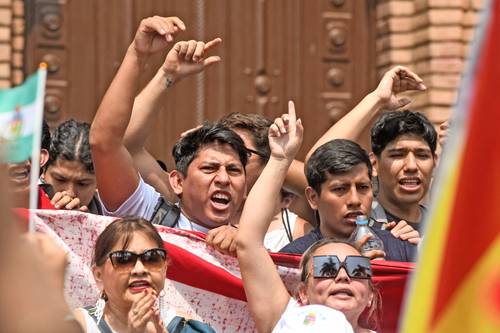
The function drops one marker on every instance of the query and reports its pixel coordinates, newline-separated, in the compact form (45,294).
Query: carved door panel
(319,53)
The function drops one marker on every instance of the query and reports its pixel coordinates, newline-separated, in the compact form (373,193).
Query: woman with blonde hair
(336,286)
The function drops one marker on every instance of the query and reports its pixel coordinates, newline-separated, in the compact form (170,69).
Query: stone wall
(11,42)
(432,38)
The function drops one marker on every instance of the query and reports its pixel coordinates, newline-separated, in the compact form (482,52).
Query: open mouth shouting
(410,184)
(220,200)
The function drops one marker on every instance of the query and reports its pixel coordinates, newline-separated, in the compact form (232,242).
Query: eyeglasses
(251,151)
(357,267)
(153,259)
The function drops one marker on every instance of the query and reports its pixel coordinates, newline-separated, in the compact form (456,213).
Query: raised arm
(266,294)
(296,183)
(184,59)
(116,174)
(356,124)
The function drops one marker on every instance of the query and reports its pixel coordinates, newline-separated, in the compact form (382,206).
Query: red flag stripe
(478,187)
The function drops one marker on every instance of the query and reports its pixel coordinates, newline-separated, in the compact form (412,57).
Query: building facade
(325,54)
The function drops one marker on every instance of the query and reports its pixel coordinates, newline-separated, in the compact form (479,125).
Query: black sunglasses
(357,267)
(153,259)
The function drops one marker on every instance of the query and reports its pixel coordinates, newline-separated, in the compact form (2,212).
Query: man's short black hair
(187,148)
(335,157)
(396,123)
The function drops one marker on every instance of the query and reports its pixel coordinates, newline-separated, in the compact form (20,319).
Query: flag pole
(37,134)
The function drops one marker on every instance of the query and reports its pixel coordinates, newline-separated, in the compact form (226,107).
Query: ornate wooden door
(319,53)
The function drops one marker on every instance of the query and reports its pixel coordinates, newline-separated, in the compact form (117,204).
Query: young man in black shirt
(339,177)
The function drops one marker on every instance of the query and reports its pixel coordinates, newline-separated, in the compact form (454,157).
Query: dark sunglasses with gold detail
(152,259)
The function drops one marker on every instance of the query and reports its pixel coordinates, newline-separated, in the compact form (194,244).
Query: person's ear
(312,197)
(436,159)
(302,294)
(97,272)
(370,300)
(374,161)
(44,157)
(176,180)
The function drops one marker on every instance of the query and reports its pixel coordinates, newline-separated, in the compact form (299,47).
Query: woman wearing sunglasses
(129,266)
(336,282)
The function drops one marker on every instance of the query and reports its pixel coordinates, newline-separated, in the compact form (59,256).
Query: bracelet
(233,225)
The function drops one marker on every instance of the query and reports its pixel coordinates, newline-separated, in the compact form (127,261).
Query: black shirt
(395,249)
(415,225)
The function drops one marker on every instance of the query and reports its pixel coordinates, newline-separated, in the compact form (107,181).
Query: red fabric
(476,212)
(23,213)
(389,277)
(189,269)
(44,200)
(194,264)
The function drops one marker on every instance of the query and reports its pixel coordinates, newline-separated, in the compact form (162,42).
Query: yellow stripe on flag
(420,305)
(475,307)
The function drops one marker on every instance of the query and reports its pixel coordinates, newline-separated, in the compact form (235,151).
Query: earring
(99,306)
(161,304)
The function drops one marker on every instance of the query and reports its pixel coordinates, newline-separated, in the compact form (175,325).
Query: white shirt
(311,318)
(276,239)
(142,203)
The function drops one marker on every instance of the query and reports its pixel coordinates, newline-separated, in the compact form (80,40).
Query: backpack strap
(101,324)
(286,224)
(182,325)
(176,324)
(378,217)
(165,213)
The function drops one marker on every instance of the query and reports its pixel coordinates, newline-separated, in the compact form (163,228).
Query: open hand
(144,315)
(397,80)
(156,33)
(285,135)
(189,57)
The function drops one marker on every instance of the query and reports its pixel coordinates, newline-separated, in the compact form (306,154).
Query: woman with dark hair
(70,170)
(129,266)
(336,286)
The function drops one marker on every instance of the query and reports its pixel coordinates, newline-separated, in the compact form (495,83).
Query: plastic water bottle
(362,229)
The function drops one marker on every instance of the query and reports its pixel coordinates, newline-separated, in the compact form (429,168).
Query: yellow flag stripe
(417,314)
(471,308)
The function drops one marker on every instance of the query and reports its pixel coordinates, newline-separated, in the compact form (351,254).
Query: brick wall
(11,42)
(432,38)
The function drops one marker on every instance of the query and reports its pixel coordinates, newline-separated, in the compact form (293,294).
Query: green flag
(20,118)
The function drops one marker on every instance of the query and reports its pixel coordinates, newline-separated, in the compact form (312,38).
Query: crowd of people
(238,181)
